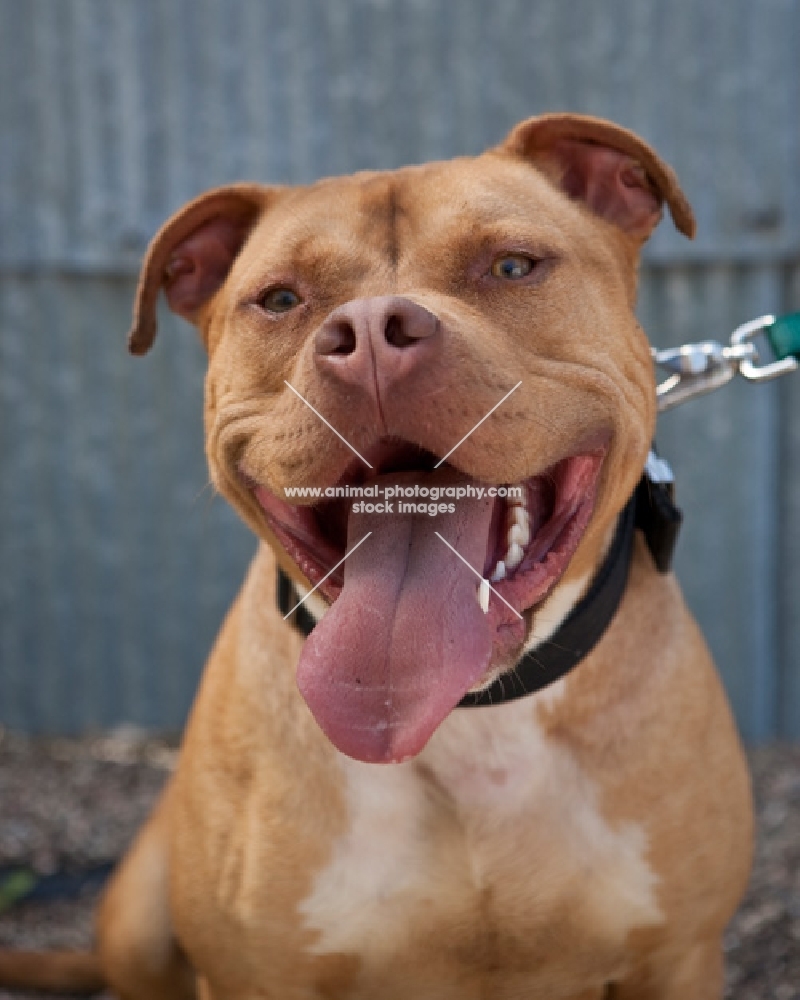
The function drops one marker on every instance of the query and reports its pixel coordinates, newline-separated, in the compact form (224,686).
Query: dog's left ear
(608,168)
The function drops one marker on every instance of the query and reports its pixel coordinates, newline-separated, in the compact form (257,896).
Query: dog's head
(358,329)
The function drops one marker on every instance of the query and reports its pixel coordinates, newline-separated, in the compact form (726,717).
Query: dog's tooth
(483,596)
(513,556)
(517,515)
(519,534)
(499,572)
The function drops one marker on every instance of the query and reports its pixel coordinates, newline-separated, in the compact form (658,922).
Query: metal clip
(696,369)
(742,336)
(700,368)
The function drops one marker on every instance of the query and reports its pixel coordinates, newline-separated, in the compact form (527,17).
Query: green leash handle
(784,337)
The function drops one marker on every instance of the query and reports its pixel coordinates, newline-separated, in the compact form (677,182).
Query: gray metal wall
(116,563)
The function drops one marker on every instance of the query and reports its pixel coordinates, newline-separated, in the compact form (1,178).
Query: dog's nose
(385,337)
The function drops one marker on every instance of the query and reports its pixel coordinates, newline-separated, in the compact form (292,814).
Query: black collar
(652,510)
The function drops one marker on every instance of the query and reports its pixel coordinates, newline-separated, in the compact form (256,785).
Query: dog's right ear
(191,255)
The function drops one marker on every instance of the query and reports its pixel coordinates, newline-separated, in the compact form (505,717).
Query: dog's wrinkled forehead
(445,203)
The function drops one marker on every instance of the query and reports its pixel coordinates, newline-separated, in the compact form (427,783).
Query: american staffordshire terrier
(350,816)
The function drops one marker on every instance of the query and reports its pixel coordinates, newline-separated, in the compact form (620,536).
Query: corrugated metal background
(116,563)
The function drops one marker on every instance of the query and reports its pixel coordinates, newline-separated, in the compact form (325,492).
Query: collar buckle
(657,516)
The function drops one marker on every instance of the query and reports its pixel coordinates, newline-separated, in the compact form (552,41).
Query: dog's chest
(465,865)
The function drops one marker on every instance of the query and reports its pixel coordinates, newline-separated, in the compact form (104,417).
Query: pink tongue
(406,638)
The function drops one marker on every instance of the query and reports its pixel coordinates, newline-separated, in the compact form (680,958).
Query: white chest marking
(515,787)
(378,858)
(511,786)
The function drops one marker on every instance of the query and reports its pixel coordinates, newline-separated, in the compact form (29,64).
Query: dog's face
(402,307)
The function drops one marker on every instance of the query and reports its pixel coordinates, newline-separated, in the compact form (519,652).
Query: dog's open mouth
(407,634)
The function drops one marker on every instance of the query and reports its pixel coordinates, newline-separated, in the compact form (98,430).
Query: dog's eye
(279,300)
(512,266)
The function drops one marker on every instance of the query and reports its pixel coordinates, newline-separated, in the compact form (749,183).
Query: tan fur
(590,841)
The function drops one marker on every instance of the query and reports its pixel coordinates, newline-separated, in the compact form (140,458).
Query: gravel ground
(69,805)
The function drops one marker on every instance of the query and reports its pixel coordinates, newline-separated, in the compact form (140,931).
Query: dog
(366,806)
